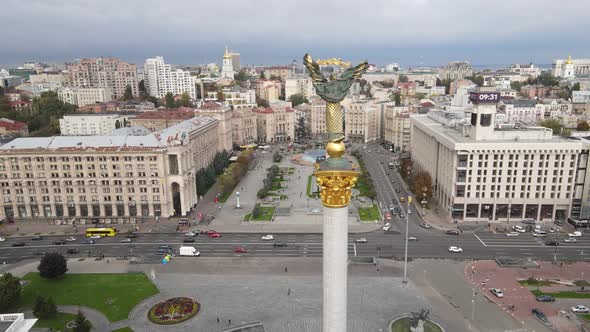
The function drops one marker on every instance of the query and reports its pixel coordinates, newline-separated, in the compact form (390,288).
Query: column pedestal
(335,268)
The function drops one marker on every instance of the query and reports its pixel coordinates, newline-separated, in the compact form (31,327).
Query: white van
(575,234)
(189,251)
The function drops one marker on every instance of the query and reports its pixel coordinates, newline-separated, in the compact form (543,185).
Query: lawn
(529,282)
(57,323)
(564,294)
(123,329)
(369,214)
(265,213)
(122,291)
(586,317)
(403,325)
(276,186)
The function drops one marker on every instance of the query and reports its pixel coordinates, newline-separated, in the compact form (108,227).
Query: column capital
(335,186)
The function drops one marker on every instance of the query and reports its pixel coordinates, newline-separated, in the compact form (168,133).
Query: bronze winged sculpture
(333,90)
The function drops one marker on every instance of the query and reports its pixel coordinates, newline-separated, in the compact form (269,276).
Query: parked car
(58,242)
(539,314)
(580,309)
(496,291)
(131,235)
(512,234)
(570,240)
(214,235)
(539,233)
(575,234)
(188,239)
(126,240)
(18,244)
(37,238)
(268,237)
(412,238)
(386,227)
(361,240)
(545,298)
(279,244)
(455,249)
(240,250)
(518,228)
(73,251)
(452,232)
(425,225)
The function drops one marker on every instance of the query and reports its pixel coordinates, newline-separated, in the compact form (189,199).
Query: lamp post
(238,199)
(405,281)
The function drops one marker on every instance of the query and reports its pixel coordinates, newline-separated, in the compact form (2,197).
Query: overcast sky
(410,32)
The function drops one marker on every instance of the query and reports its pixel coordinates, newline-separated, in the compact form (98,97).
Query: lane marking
(477,237)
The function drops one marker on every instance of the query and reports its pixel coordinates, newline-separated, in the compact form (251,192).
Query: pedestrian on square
(217,320)
(229,321)
(286,269)
(289,292)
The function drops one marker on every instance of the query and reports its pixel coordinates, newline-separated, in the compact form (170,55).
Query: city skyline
(411,34)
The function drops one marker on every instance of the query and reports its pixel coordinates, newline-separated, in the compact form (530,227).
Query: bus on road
(101,231)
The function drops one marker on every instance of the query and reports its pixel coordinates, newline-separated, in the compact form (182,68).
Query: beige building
(84,96)
(283,72)
(299,85)
(275,125)
(103,73)
(224,115)
(112,177)
(159,120)
(397,129)
(268,90)
(317,123)
(244,126)
(362,122)
(480,173)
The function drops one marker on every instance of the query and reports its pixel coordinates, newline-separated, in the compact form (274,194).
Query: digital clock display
(484,97)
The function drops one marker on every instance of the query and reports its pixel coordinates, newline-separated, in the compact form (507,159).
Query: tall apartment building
(84,96)
(317,116)
(91,124)
(224,115)
(362,122)
(275,125)
(103,73)
(299,85)
(397,129)
(161,78)
(244,126)
(268,90)
(481,173)
(106,176)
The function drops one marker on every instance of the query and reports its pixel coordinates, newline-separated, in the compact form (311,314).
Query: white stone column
(335,266)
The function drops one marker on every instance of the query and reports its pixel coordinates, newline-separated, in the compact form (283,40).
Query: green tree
(39,308)
(1,91)
(82,324)
(576,86)
(128,95)
(10,290)
(52,266)
(298,99)
(406,167)
(153,100)
(142,89)
(402,79)
(398,99)
(170,100)
(516,85)
(50,308)
(262,102)
(422,185)
(241,76)
(185,100)
(547,79)
(583,126)
(478,80)
(420,95)
(300,129)
(552,124)
(277,157)
(275,78)
(565,94)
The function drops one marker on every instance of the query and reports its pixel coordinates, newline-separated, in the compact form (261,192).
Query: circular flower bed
(173,311)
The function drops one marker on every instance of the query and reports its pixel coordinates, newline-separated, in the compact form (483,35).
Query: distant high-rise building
(103,73)
(228,68)
(161,78)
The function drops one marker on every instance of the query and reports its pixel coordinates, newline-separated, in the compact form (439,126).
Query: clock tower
(227,69)
(483,114)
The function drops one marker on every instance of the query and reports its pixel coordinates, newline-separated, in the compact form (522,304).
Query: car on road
(402,215)
(96,237)
(386,173)
(496,291)
(387,226)
(570,240)
(545,298)
(267,237)
(131,235)
(402,199)
(71,239)
(455,249)
(511,234)
(540,314)
(425,225)
(518,228)
(37,238)
(452,232)
(164,249)
(397,191)
(126,240)
(539,233)
(188,239)
(388,216)
(361,240)
(240,250)
(580,309)
(58,242)
(392,181)
(90,241)
(391,207)
(552,242)
(575,234)
(214,235)
(18,244)
(279,244)
(412,238)
(209,232)
(2,239)
(552,230)
(73,251)
(191,234)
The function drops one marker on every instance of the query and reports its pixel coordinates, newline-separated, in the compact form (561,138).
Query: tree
(300,129)
(142,89)
(552,124)
(39,308)
(241,76)
(170,100)
(262,102)
(82,324)
(422,185)
(52,266)
(547,79)
(564,94)
(10,290)
(576,86)
(277,157)
(516,85)
(1,91)
(153,100)
(185,100)
(406,166)
(420,95)
(398,99)
(128,95)
(275,78)
(298,99)
(402,79)
(50,308)
(478,80)
(583,126)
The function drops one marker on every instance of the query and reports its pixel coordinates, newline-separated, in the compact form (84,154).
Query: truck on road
(189,251)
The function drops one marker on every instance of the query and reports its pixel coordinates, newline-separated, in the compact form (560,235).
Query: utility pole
(405,281)
(473,306)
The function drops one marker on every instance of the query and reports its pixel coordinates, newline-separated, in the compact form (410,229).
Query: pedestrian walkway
(98,320)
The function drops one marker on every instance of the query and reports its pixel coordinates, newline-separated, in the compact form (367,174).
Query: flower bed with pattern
(173,311)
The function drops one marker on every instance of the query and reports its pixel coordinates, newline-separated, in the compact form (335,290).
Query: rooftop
(9,124)
(166,114)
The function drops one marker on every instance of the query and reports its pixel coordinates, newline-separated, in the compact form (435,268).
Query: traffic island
(173,311)
(403,324)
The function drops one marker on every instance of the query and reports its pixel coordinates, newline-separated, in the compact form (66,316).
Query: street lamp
(405,281)
(238,199)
